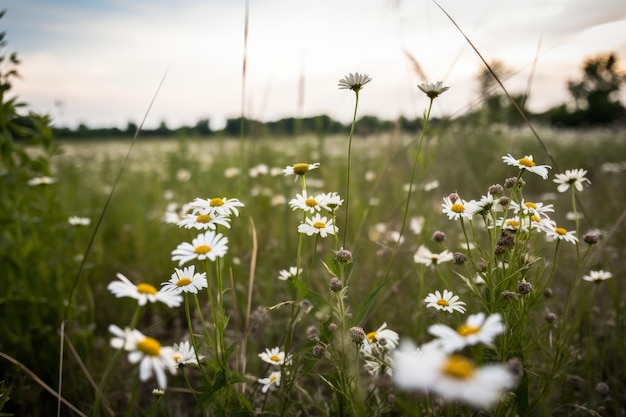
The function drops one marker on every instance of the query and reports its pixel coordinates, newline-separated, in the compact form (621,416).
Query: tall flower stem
(345,224)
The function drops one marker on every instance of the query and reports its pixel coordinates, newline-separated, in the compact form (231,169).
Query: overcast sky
(100,62)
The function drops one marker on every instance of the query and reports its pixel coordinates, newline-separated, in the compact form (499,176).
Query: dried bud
(510,182)
(524,287)
(548,293)
(602,388)
(318,351)
(453,197)
(508,295)
(344,256)
(306,305)
(358,335)
(550,317)
(495,189)
(438,236)
(499,250)
(590,238)
(481,266)
(333,327)
(503,201)
(312,333)
(515,366)
(506,239)
(459,258)
(335,284)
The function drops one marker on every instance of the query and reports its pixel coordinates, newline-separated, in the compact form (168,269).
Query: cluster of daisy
(276,358)
(319,210)
(377,349)
(153,358)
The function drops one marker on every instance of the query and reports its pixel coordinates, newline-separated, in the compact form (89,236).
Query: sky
(100,62)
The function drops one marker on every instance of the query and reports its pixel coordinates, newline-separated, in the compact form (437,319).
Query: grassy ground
(42,252)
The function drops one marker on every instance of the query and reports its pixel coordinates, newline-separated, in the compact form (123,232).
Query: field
(563,339)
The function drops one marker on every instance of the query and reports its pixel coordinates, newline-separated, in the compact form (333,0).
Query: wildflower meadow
(453,271)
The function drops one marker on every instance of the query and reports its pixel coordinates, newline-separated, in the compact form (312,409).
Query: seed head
(499,250)
(335,284)
(524,287)
(602,388)
(548,293)
(459,258)
(591,238)
(550,317)
(508,295)
(312,333)
(438,236)
(453,197)
(358,335)
(344,256)
(318,351)
(481,266)
(496,189)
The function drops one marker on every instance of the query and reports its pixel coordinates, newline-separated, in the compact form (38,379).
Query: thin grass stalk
(345,224)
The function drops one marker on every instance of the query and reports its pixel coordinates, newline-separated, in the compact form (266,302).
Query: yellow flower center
(273,378)
(371,336)
(458,367)
(526,162)
(203,218)
(512,223)
(275,358)
(465,330)
(310,202)
(560,231)
(216,202)
(457,208)
(202,249)
(177,357)
(183,281)
(319,225)
(442,302)
(300,169)
(149,346)
(146,289)
(535,218)
(530,205)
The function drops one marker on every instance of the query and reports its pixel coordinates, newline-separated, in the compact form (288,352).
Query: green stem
(345,226)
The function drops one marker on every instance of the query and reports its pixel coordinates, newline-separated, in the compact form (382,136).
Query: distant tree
(596,94)
(496,106)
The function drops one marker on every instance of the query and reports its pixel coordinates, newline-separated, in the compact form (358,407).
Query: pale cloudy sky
(103,59)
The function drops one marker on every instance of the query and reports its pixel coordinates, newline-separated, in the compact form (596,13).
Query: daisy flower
(426,257)
(173,214)
(458,209)
(317,225)
(307,203)
(433,90)
(147,351)
(79,221)
(478,328)
(330,201)
(572,177)
(217,206)
(33,182)
(446,302)
(202,220)
(375,366)
(354,82)
(528,164)
(382,339)
(184,354)
(528,208)
(300,169)
(553,232)
(142,292)
(273,356)
(598,276)
(451,377)
(207,245)
(292,272)
(270,381)
(416,224)
(186,280)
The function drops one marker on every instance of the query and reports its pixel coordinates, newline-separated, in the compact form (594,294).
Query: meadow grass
(563,341)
